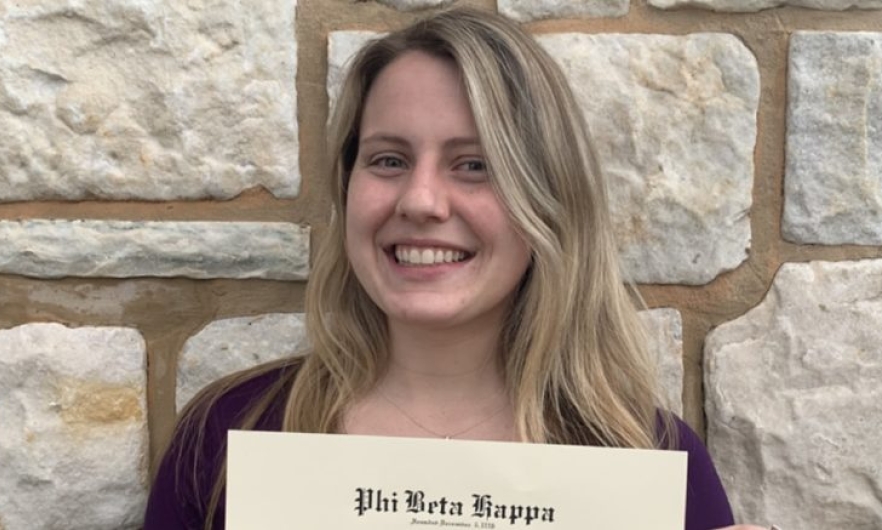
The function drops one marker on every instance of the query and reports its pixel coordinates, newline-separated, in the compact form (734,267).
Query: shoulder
(194,459)
(252,399)
(706,503)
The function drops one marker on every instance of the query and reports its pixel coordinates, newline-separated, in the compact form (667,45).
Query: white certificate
(293,481)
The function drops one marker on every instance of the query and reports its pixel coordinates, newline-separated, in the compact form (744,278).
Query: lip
(389,248)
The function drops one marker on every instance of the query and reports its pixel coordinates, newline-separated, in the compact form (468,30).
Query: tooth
(439,256)
(427,257)
(448,256)
(414,256)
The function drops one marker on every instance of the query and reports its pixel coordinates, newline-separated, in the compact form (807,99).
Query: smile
(408,255)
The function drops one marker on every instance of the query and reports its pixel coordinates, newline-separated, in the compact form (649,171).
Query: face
(426,235)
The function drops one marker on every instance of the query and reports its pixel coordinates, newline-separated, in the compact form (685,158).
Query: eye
(387,162)
(474,165)
(472,170)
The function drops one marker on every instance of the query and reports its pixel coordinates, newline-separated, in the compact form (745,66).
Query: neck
(438,383)
(447,364)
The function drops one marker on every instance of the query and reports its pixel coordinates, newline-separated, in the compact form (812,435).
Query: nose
(424,195)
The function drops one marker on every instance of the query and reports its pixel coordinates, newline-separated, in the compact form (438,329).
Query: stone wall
(161,180)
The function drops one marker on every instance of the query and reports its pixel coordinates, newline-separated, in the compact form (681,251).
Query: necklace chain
(433,431)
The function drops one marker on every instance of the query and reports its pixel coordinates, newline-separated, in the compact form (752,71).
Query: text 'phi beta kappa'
(481,507)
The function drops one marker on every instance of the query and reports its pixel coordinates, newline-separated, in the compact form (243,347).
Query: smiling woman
(469,285)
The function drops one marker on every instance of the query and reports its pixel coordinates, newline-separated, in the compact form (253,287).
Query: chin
(430,317)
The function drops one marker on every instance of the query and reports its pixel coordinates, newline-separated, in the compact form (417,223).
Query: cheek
(520,257)
(509,243)
(489,217)
(358,239)
(366,211)
(356,209)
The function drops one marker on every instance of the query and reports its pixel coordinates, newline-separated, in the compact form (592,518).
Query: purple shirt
(179,498)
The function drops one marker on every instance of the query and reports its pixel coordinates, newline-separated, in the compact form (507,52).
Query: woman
(468,286)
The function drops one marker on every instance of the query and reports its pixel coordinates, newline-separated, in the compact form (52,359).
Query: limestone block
(757,5)
(152,100)
(234,344)
(44,248)
(833,179)
(665,330)
(74,437)
(342,47)
(674,124)
(413,5)
(528,10)
(794,399)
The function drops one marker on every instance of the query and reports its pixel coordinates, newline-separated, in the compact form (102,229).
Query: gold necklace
(433,431)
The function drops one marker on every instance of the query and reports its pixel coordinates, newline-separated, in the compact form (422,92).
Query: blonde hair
(575,355)
(575,358)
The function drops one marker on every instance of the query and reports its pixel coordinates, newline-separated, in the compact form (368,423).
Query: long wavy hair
(574,352)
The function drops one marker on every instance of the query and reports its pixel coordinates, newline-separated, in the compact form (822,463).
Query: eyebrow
(459,141)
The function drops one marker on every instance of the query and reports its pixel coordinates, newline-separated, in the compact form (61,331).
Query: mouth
(409,255)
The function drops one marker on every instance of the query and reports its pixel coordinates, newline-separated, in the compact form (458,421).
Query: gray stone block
(414,5)
(757,5)
(529,10)
(147,100)
(342,47)
(665,332)
(231,345)
(74,437)
(794,399)
(44,248)
(833,180)
(674,124)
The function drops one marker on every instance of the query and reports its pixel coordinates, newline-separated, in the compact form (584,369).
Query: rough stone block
(342,47)
(147,100)
(231,345)
(674,123)
(757,5)
(794,399)
(528,10)
(123,249)
(74,437)
(413,5)
(665,331)
(833,180)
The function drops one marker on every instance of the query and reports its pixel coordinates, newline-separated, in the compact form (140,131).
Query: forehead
(417,64)
(414,89)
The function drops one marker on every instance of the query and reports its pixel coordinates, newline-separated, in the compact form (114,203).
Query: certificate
(294,481)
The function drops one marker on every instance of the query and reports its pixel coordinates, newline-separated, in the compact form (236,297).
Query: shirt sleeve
(184,480)
(166,508)
(707,506)
(186,477)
